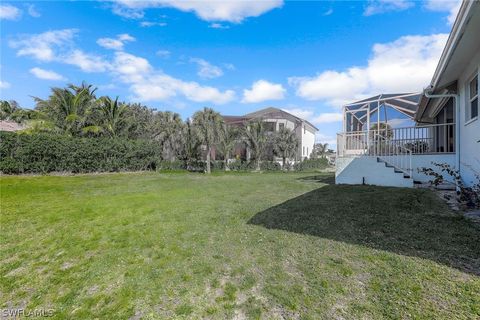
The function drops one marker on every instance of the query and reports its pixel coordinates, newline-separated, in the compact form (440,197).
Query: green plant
(311,164)
(208,124)
(466,196)
(44,152)
(285,144)
(255,137)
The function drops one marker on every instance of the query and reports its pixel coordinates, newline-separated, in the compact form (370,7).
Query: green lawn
(271,246)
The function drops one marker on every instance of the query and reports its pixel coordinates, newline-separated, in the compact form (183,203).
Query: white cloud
(328,118)
(301,113)
(209,10)
(263,90)
(32,11)
(325,138)
(117,43)
(46,74)
(450,6)
(147,24)
(43,46)
(328,12)
(4,84)
(404,65)
(383,6)
(206,70)
(9,12)
(217,25)
(149,84)
(163,53)
(85,61)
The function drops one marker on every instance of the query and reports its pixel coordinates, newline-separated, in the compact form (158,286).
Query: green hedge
(311,164)
(43,153)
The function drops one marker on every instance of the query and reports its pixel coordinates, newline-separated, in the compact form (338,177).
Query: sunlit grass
(266,246)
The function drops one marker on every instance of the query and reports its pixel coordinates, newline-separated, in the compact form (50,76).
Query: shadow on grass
(409,222)
(321,178)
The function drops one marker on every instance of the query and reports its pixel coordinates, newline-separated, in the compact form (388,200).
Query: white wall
(366,169)
(307,142)
(425,161)
(469,131)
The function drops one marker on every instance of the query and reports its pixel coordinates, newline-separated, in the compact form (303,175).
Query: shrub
(43,153)
(270,166)
(172,165)
(466,196)
(311,164)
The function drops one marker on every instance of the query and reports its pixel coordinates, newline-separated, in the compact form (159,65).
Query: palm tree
(256,139)
(192,143)
(384,129)
(7,109)
(208,124)
(285,144)
(228,138)
(168,129)
(67,106)
(112,115)
(319,150)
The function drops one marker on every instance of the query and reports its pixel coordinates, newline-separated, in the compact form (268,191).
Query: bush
(311,164)
(270,166)
(43,153)
(172,165)
(239,165)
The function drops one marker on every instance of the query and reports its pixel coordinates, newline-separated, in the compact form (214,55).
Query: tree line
(76,111)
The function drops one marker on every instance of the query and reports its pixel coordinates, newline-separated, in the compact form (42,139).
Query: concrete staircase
(370,170)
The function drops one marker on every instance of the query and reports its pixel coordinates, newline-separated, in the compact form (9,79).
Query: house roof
(6,125)
(405,103)
(461,46)
(269,112)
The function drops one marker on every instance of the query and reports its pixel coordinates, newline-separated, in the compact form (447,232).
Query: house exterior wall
(469,148)
(366,169)
(307,141)
(420,161)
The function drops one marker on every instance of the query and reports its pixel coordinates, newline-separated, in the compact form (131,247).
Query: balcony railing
(426,139)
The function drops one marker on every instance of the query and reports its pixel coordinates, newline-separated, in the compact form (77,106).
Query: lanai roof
(406,103)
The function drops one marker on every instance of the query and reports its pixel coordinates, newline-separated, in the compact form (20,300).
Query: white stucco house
(275,119)
(440,124)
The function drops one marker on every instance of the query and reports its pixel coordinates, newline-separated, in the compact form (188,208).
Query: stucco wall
(308,141)
(425,161)
(469,130)
(365,169)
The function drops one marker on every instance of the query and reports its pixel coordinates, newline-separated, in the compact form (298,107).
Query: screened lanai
(390,118)
(363,114)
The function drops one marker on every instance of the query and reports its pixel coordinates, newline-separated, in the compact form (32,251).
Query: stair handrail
(392,153)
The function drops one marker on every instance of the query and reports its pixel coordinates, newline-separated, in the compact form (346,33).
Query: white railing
(391,152)
(435,138)
(352,143)
(425,139)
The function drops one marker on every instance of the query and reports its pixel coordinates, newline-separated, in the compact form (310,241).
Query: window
(307,151)
(303,150)
(473,98)
(269,126)
(281,126)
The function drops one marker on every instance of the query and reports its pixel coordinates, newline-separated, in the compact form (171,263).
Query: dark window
(473,97)
(270,126)
(281,126)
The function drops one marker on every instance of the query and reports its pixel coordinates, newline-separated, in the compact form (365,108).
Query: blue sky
(305,57)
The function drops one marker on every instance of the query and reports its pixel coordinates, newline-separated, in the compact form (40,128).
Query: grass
(257,246)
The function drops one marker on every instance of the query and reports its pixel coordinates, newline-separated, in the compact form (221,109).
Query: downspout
(456,97)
